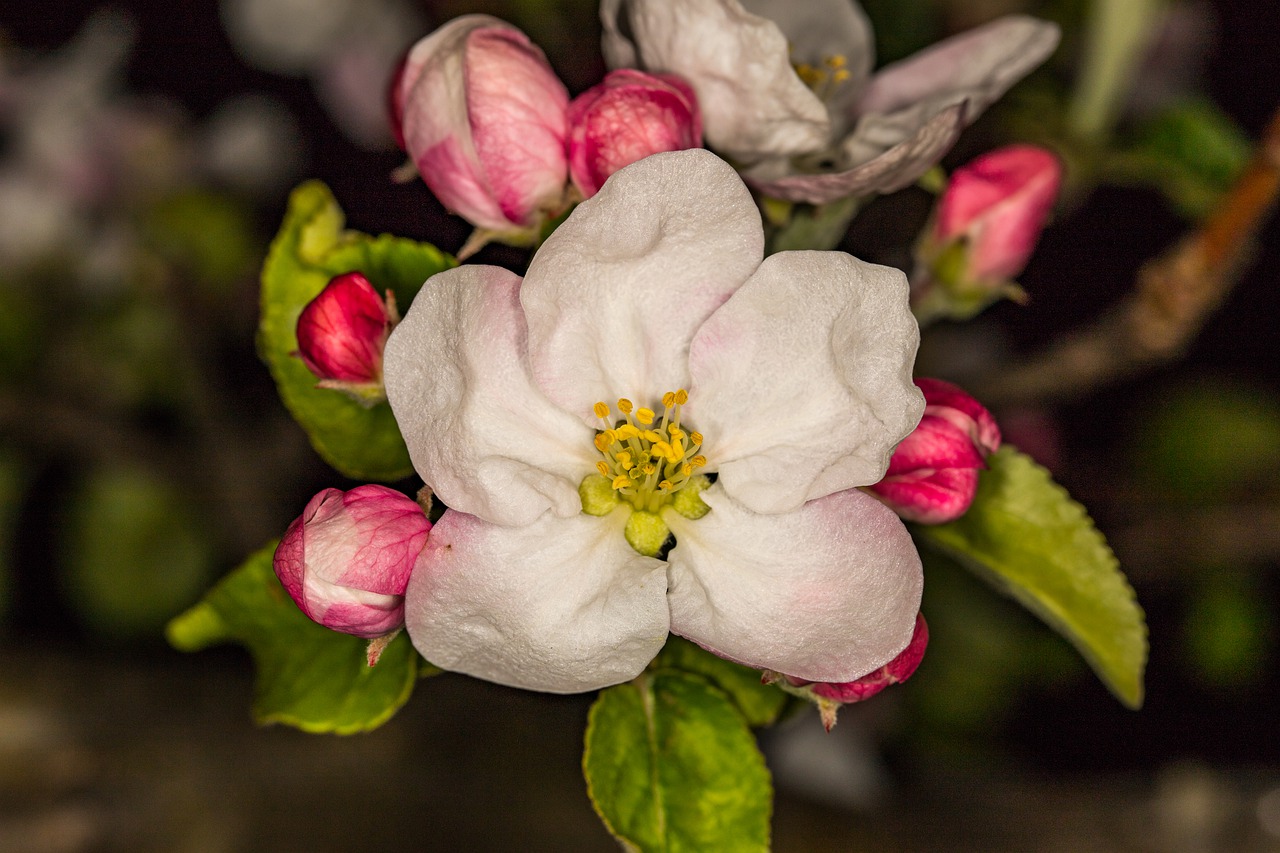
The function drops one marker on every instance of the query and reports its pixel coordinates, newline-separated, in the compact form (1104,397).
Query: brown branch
(1176,294)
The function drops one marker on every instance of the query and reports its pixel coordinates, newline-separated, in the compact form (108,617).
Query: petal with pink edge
(616,293)
(829,592)
(563,605)
(479,433)
(802,380)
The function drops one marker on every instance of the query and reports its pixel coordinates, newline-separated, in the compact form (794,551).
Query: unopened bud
(984,230)
(829,697)
(626,118)
(933,474)
(346,560)
(483,117)
(342,333)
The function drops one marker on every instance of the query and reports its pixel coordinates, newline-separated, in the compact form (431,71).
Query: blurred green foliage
(133,552)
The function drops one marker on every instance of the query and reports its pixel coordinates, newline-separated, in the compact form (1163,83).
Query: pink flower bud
(933,474)
(484,121)
(998,205)
(346,560)
(341,335)
(626,118)
(829,696)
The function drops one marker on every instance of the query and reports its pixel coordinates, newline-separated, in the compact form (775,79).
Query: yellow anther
(669,399)
(610,436)
(837,61)
(695,437)
(682,397)
(624,459)
(644,416)
(666,486)
(627,431)
(661,448)
(698,461)
(622,481)
(603,468)
(675,431)
(649,468)
(601,410)
(651,435)
(840,76)
(686,469)
(602,442)
(624,405)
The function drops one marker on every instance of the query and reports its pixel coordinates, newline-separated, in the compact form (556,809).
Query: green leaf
(1028,538)
(671,766)
(759,703)
(311,248)
(308,676)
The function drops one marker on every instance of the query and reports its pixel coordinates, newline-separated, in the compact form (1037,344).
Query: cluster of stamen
(647,462)
(826,77)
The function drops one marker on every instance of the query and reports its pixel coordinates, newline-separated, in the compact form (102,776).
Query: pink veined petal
(479,432)
(802,380)
(616,293)
(829,592)
(930,496)
(518,124)
(562,605)
(626,118)
(391,529)
(935,443)
(951,402)
(754,106)
(436,126)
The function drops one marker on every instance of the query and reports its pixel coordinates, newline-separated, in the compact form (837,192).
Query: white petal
(886,172)
(827,593)
(974,68)
(753,104)
(480,434)
(562,605)
(615,294)
(802,380)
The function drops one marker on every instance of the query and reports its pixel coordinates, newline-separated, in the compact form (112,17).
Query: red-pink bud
(342,333)
(894,672)
(484,121)
(829,697)
(626,118)
(933,474)
(346,560)
(997,205)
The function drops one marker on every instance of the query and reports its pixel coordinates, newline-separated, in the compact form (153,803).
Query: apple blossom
(628,116)
(483,117)
(829,697)
(341,335)
(346,560)
(933,475)
(786,377)
(787,91)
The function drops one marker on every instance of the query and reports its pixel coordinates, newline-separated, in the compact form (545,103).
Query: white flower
(787,92)
(798,376)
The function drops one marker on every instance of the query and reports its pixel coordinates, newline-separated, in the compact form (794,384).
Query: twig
(1175,295)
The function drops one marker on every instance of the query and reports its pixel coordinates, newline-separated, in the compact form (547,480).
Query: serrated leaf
(311,248)
(671,767)
(308,677)
(759,703)
(1027,537)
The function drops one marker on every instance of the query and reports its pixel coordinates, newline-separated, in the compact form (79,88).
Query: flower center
(826,77)
(647,460)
